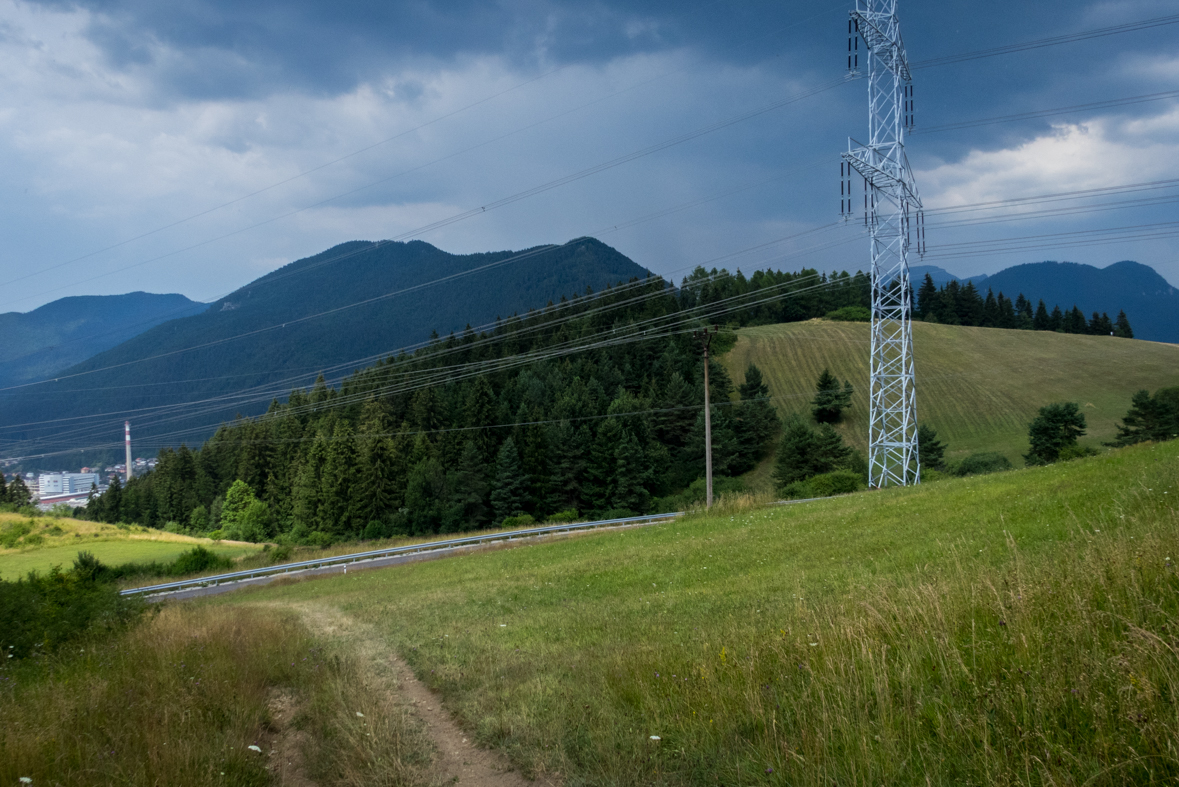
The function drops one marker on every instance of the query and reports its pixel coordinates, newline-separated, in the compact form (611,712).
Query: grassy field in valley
(979,387)
(1019,628)
(56,541)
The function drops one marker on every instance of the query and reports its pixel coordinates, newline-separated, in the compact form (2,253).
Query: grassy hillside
(1009,629)
(979,387)
(57,541)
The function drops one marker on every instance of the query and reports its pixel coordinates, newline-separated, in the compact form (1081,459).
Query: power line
(1107,104)
(1084,35)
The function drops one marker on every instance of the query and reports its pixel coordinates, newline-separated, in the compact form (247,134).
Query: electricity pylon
(890,203)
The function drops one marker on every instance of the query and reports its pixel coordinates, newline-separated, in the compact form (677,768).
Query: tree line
(962,304)
(600,432)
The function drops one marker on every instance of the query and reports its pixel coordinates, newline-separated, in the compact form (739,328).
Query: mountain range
(139,356)
(1148,299)
(67,331)
(334,312)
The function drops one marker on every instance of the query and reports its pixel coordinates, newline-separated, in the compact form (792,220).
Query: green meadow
(56,541)
(1018,628)
(979,387)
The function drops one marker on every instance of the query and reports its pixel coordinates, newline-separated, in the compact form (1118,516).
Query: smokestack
(127,442)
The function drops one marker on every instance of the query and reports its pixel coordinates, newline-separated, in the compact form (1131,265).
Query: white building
(53,484)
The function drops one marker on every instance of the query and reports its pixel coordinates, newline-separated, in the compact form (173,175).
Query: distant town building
(56,484)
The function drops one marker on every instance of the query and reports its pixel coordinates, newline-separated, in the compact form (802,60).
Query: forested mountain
(58,335)
(333,312)
(1149,300)
(593,404)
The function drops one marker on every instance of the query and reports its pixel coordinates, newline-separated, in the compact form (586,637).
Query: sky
(194,147)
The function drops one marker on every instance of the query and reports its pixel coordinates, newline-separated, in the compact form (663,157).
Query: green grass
(180,698)
(16,564)
(1015,628)
(979,387)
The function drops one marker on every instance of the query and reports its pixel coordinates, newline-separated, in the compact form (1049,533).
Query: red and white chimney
(127,443)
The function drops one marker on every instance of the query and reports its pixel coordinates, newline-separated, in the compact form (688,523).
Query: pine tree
(757,423)
(3,489)
(1042,322)
(990,311)
(1006,313)
(1055,428)
(1122,327)
(927,298)
(805,452)
(567,459)
(931,452)
(509,491)
(830,399)
(1056,319)
(336,502)
(1150,418)
(631,473)
(466,488)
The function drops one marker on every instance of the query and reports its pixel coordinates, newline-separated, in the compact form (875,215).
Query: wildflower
(25,780)
(769,770)
(359,715)
(656,738)
(252,747)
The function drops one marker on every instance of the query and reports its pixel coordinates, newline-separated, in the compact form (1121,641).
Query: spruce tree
(631,474)
(568,447)
(3,489)
(509,491)
(1042,322)
(757,422)
(931,452)
(830,398)
(990,311)
(1006,313)
(1153,418)
(1122,326)
(805,452)
(927,298)
(466,488)
(1056,427)
(1056,319)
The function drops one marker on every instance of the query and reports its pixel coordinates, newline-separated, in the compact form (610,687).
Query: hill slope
(979,387)
(282,329)
(70,330)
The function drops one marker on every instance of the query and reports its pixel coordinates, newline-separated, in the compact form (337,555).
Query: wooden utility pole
(705,337)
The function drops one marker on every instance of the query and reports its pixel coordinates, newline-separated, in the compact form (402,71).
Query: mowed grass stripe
(979,387)
(994,630)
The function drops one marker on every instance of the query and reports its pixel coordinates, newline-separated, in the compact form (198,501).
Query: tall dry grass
(180,699)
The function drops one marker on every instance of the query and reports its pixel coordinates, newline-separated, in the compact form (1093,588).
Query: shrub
(981,463)
(851,314)
(1070,452)
(39,614)
(837,482)
(318,538)
(561,517)
(519,521)
(280,554)
(199,559)
(13,532)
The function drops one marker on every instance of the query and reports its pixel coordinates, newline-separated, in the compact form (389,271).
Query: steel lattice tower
(890,203)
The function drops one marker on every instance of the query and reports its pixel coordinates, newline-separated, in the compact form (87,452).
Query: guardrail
(432,546)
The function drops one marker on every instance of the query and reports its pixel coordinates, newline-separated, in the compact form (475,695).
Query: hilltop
(70,330)
(979,387)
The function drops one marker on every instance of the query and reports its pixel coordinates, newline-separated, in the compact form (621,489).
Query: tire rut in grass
(456,759)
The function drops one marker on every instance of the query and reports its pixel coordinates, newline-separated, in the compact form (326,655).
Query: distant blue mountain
(940,276)
(58,335)
(1148,299)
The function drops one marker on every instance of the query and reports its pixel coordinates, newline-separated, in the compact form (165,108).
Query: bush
(851,314)
(617,513)
(1070,452)
(13,532)
(838,482)
(39,614)
(982,463)
(562,517)
(522,520)
(318,538)
(280,554)
(199,559)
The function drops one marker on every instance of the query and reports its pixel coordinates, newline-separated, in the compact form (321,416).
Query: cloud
(1104,151)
